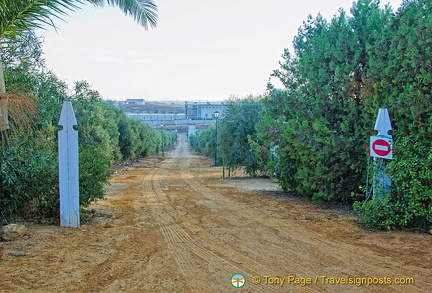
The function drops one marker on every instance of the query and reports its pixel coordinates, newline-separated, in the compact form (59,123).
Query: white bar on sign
(382,147)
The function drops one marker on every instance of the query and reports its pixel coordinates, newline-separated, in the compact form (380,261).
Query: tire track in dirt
(121,271)
(308,240)
(343,252)
(164,223)
(167,227)
(185,237)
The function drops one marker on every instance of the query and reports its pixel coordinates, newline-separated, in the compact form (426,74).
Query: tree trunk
(4,122)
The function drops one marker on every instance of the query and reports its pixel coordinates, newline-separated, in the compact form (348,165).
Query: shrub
(29,181)
(94,172)
(237,134)
(410,202)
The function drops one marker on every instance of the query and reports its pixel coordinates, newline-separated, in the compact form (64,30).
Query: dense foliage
(319,127)
(204,141)
(312,133)
(342,72)
(236,129)
(28,152)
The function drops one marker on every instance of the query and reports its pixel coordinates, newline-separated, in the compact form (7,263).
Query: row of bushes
(311,134)
(204,142)
(28,157)
(235,133)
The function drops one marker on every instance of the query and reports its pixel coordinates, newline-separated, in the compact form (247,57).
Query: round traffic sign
(381,147)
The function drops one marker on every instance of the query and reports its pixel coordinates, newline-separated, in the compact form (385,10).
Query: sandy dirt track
(173,225)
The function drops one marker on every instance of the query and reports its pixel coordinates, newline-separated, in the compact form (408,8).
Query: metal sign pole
(381,147)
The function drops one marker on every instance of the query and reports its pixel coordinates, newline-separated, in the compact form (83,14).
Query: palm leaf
(143,11)
(18,16)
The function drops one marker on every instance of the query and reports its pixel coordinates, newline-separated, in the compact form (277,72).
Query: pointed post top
(67,115)
(383,124)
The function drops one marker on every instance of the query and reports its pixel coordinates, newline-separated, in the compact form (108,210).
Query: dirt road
(174,225)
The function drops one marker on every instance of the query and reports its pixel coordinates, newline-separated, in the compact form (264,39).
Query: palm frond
(25,47)
(143,11)
(21,109)
(17,16)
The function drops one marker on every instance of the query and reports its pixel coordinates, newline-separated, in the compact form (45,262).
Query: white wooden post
(68,168)
(381,147)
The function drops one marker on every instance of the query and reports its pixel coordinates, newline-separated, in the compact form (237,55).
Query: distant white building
(197,110)
(135,101)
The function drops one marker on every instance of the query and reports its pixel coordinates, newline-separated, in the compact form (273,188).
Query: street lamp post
(162,135)
(216,115)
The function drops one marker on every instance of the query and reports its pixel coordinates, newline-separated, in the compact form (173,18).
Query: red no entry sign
(381,147)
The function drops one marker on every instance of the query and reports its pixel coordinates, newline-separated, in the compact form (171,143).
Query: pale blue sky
(200,50)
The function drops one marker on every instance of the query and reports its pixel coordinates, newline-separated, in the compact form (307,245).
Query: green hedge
(342,71)
(236,134)
(28,157)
